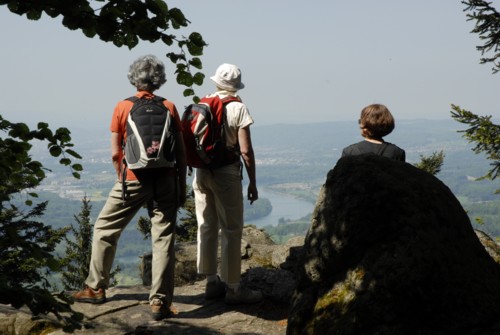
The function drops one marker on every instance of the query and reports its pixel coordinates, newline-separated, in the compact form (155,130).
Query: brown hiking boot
(159,310)
(90,295)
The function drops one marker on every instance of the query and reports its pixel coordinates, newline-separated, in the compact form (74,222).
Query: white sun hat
(228,77)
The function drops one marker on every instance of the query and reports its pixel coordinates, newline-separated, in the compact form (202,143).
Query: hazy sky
(302,61)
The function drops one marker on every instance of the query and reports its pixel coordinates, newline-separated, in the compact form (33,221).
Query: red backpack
(203,132)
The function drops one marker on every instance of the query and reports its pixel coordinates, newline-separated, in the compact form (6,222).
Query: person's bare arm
(247,153)
(116,152)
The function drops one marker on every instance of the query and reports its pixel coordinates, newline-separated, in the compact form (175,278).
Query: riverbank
(286,206)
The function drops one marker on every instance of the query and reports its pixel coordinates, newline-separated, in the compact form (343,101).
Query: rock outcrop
(127,310)
(391,251)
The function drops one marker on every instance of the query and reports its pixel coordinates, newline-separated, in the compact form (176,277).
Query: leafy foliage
(187,229)
(17,170)
(124,23)
(484,133)
(488,27)
(76,262)
(144,227)
(432,163)
(27,245)
(26,257)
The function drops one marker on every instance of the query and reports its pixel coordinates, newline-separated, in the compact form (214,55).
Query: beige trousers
(161,198)
(219,205)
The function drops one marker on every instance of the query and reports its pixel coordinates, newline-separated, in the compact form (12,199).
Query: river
(284,206)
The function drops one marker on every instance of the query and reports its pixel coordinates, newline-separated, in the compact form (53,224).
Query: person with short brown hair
(375,122)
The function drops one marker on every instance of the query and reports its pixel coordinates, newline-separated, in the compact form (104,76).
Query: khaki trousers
(160,196)
(219,205)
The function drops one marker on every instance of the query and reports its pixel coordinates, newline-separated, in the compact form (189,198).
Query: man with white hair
(219,199)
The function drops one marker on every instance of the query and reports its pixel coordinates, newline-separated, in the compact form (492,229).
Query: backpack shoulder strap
(132,98)
(229,99)
(158,98)
(211,100)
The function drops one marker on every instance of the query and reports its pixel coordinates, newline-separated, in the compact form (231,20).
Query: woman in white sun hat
(219,199)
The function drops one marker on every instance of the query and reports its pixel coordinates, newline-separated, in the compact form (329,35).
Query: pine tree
(26,249)
(187,228)
(79,251)
(482,131)
(432,163)
(487,26)
(27,246)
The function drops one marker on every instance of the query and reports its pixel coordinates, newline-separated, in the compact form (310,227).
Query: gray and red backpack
(203,132)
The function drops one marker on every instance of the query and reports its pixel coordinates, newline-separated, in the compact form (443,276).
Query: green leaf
(71,22)
(34,14)
(195,44)
(194,49)
(131,41)
(196,62)
(14,7)
(181,67)
(177,17)
(185,78)
(76,175)
(40,174)
(77,167)
(167,39)
(158,7)
(63,135)
(73,153)
(52,12)
(55,151)
(160,23)
(197,39)
(188,92)
(119,41)
(198,78)
(65,161)
(89,32)
(173,57)
(45,133)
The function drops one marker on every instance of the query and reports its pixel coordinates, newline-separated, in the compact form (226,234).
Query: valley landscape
(292,163)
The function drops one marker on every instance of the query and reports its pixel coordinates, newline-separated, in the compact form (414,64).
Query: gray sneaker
(243,296)
(216,289)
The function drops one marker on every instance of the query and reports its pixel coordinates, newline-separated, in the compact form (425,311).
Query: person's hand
(252,194)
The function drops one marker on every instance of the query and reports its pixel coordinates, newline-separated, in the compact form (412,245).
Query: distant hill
(302,154)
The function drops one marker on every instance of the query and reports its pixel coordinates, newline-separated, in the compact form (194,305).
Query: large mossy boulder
(390,250)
